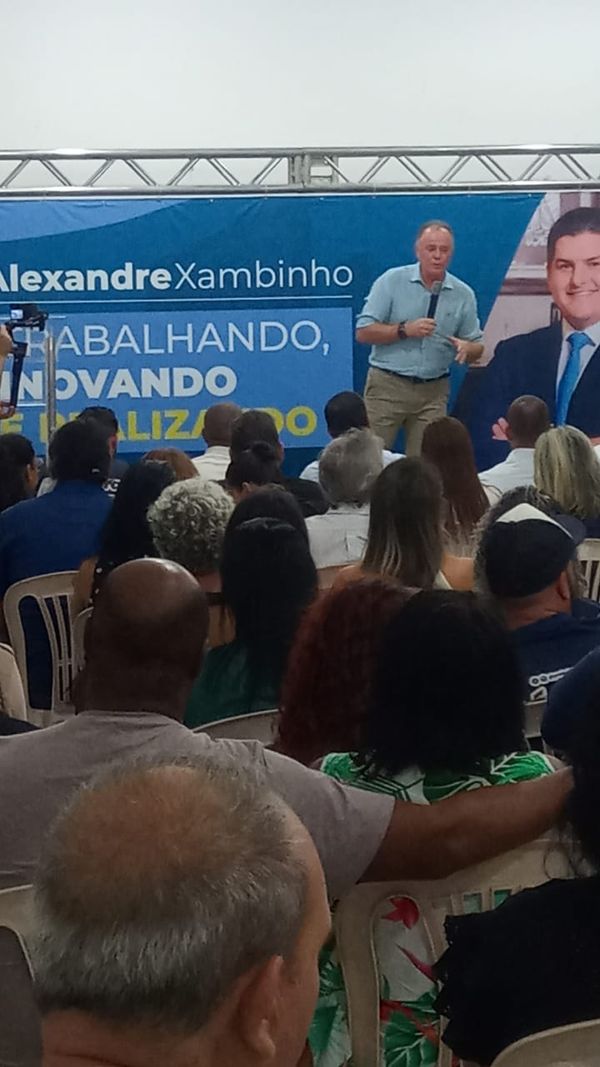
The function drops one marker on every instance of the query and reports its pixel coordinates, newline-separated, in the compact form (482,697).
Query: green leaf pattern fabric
(409,1025)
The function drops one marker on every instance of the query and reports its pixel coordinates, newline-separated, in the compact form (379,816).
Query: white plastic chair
(589,558)
(78,626)
(52,594)
(483,885)
(257,726)
(12,694)
(20,1039)
(566,1046)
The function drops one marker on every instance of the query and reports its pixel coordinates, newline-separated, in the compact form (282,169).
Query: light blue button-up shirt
(399,295)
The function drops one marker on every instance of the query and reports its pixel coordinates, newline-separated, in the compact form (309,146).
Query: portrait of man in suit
(559,363)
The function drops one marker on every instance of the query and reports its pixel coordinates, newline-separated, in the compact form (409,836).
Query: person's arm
(467,342)
(373,326)
(436,840)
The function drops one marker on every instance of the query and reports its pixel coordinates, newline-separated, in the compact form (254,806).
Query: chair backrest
(589,557)
(78,627)
(478,888)
(12,694)
(258,726)
(20,1039)
(52,594)
(567,1046)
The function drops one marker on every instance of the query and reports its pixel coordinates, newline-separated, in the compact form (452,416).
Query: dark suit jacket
(527,363)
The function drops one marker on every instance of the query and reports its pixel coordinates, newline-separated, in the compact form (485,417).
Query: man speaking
(418,319)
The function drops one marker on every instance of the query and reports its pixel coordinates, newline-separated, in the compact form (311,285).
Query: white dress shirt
(587,352)
(212,466)
(339,536)
(517,469)
(312,471)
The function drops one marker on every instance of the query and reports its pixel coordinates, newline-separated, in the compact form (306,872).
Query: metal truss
(206,172)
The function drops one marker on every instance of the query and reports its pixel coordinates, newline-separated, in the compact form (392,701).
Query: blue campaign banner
(262,293)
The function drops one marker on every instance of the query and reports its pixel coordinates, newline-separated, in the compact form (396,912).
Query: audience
(218,420)
(255,425)
(446,715)
(202,946)
(327,685)
(526,420)
(532,964)
(268,579)
(348,468)
(528,560)
(256,466)
(568,703)
(179,462)
(345,411)
(447,446)
(18,470)
(567,469)
(126,534)
(144,647)
(405,537)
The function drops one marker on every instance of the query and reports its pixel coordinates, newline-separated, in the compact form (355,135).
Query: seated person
(567,469)
(528,561)
(345,411)
(126,534)
(201,947)
(327,686)
(106,420)
(447,446)
(405,539)
(446,715)
(568,702)
(255,425)
(348,469)
(526,419)
(188,523)
(213,463)
(256,466)
(18,470)
(56,532)
(532,964)
(268,579)
(179,462)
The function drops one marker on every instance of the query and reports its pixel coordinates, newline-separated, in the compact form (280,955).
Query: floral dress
(409,1024)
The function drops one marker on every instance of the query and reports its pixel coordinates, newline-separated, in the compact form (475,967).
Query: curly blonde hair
(188,524)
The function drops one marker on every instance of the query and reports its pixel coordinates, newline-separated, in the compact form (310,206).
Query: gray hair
(349,466)
(161,886)
(188,524)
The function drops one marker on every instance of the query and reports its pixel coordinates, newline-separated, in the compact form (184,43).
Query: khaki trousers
(395,403)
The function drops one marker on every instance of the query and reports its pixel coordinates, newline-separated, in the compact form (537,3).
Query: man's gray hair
(188,523)
(161,886)
(349,466)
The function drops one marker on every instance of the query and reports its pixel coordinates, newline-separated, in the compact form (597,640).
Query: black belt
(412,378)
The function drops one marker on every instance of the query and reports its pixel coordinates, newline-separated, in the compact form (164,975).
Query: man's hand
(420,328)
(6,342)
(466,351)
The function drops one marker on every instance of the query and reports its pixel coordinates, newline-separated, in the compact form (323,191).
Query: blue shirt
(569,702)
(50,533)
(399,295)
(547,649)
(53,532)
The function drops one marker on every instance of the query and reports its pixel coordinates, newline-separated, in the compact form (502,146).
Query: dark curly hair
(447,692)
(327,685)
(270,502)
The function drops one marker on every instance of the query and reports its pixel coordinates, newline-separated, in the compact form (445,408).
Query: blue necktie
(570,375)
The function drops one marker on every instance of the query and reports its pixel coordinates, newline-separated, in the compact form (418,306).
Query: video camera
(22,317)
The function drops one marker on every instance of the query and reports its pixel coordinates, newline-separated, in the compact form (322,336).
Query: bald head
(527,417)
(145,639)
(209,877)
(218,422)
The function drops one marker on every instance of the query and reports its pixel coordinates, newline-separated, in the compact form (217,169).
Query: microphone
(433,301)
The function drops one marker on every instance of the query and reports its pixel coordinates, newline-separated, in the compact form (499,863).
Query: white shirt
(212,466)
(586,354)
(339,536)
(312,471)
(517,469)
